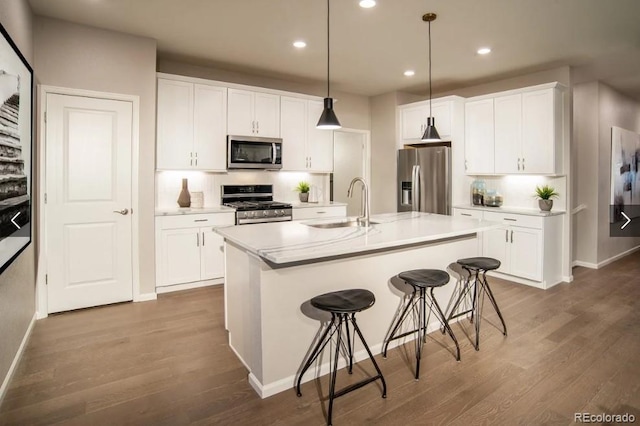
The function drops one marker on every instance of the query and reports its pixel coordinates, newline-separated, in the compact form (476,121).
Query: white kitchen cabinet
(187,248)
(319,212)
(413,120)
(528,246)
(191,126)
(508,133)
(542,131)
(253,113)
(305,148)
(479,137)
(515,132)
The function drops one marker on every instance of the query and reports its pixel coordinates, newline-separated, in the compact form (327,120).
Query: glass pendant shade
(430,133)
(328,119)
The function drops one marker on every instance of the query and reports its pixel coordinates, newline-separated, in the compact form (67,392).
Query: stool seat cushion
(425,277)
(486,263)
(344,301)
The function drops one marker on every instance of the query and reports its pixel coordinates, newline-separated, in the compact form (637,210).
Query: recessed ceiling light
(484,50)
(409,73)
(367,3)
(299,44)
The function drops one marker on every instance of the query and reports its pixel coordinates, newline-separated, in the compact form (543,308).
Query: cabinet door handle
(518,164)
(258,127)
(511,236)
(198,239)
(506,235)
(523,163)
(203,239)
(465,165)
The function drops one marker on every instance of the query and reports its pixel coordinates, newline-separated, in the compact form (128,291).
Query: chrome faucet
(363,220)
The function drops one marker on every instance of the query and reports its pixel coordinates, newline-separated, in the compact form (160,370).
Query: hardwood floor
(573,348)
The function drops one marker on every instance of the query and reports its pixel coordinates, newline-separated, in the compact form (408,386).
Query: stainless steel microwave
(247,152)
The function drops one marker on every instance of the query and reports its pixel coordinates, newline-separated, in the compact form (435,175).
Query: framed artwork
(625,180)
(16,147)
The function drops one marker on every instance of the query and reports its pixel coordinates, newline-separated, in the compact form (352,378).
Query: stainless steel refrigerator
(424,180)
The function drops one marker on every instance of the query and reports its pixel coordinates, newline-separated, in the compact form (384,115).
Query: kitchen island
(274,269)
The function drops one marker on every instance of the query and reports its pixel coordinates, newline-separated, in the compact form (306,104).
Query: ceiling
(371,48)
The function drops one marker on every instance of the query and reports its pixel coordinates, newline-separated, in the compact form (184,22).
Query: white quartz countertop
(299,205)
(187,210)
(296,241)
(514,210)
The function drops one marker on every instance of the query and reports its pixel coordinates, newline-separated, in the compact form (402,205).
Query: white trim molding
(16,359)
(606,261)
(44,90)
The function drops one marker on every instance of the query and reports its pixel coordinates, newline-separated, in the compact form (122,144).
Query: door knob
(123,212)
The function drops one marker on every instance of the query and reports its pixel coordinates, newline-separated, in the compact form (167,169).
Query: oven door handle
(273,153)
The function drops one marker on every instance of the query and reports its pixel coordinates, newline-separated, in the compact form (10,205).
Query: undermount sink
(341,224)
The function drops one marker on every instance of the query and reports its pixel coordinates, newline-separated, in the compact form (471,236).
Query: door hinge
(45,198)
(45,116)
(46,279)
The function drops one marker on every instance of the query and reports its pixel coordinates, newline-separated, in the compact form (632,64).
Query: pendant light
(430,133)
(328,119)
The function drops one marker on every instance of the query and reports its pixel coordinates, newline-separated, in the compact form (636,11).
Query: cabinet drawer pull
(321,212)
(201,220)
(465,214)
(510,220)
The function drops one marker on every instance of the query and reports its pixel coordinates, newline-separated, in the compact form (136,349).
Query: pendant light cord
(430,114)
(328,50)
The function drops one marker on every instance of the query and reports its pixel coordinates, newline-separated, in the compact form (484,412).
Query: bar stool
(477,267)
(343,306)
(421,280)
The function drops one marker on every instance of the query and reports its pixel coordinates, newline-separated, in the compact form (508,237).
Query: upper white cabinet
(253,113)
(305,148)
(516,132)
(479,136)
(191,126)
(413,120)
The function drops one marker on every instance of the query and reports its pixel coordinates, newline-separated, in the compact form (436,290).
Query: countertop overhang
(291,242)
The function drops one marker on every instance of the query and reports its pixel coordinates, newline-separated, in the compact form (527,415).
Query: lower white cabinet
(528,246)
(319,212)
(188,249)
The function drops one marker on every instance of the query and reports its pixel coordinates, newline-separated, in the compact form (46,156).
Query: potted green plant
(545,195)
(303,188)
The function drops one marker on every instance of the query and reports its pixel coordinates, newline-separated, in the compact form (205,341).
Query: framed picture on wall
(16,147)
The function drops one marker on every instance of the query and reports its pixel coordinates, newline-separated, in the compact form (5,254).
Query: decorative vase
(184,200)
(545,205)
(304,197)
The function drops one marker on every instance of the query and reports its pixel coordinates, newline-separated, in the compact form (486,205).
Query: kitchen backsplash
(169,184)
(518,190)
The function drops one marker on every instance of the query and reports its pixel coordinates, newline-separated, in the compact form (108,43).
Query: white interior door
(349,162)
(88,209)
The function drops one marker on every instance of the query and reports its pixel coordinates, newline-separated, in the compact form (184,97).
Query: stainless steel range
(254,204)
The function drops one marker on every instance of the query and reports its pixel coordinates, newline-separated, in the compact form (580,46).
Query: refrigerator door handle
(413,188)
(416,187)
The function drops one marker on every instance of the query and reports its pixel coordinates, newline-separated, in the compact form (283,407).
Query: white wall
(17,282)
(596,108)
(76,56)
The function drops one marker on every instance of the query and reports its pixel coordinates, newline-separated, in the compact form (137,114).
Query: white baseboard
(188,286)
(605,262)
(16,359)
(145,297)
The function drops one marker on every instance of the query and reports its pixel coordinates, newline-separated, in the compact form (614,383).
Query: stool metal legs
(419,296)
(335,327)
(480,288)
